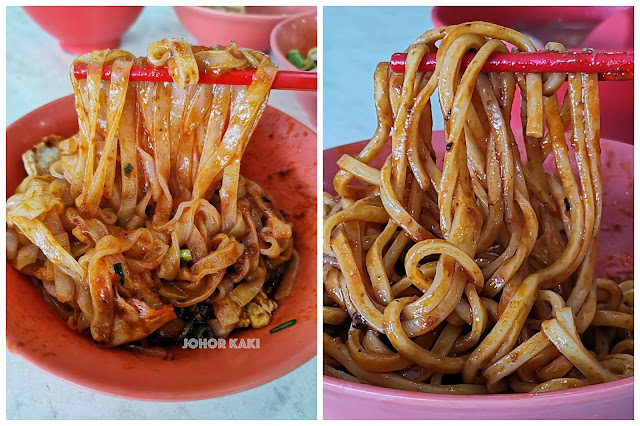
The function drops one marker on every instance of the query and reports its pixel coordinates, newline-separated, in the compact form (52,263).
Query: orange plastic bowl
(614,400)
(298,32)
(38,335)
(252,29)
(83,29)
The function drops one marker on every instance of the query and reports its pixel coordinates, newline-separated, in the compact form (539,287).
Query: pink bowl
(299,32)
(38,335)
(82,29)
(616,30)
(566,24)
(347,400)
(251,29)
(604,28)
(616,97)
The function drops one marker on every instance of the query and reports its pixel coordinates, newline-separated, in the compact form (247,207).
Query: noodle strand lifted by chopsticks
(480,276)
(141,224)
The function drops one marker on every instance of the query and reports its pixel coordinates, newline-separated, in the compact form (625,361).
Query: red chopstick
(608,65)
(285,80)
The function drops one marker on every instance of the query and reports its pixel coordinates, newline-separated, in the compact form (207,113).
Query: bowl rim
(342,387)
(239,16)
(291,18)
(302,355)
(604,390)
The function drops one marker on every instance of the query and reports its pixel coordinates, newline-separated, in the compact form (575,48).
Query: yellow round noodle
(478,276)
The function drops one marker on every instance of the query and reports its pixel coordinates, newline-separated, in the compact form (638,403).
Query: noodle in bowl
(469,262)
(347,400)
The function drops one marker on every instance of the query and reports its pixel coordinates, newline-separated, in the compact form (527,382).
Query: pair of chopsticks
(614,66)
(609,65)
(285,80)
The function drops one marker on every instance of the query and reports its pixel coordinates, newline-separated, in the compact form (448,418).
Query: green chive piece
(295,58)
(128,168)
(282,326)
(185,255)
(117,268)
(203,331)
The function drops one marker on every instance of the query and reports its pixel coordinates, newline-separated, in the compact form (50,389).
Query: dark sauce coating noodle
(477,277)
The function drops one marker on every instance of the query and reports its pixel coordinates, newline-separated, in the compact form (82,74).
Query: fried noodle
(477,277)
(141,224)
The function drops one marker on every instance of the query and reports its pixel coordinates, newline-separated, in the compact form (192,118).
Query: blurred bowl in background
(251,29)
(616,97)
(299,32)
(568,25)
(83,29)
(616,30)
(603,28)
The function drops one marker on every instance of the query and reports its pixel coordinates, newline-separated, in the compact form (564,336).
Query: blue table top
(355,40)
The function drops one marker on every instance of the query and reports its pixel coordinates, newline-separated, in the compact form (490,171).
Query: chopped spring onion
(302,63)
(282,326)
(117,268)
(128,168)
(295,58)
(185,255)
(203,331)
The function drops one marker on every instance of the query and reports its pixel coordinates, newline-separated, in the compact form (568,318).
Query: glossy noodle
(479,276)
(140,227)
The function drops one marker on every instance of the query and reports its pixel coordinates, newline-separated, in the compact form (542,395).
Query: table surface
(355,40)
(34,394)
